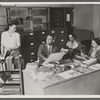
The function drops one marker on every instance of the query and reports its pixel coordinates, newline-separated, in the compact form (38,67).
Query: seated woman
(74,47)
(95,49)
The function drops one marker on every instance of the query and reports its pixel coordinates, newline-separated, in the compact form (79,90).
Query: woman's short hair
(10,24)
(97,40)
(73,35)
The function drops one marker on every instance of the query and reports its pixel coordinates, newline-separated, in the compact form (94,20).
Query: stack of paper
(90,61)
(95,67)
(51,80)
(84,70)
(31,66)
(11,90)
(69,74)
(15,76)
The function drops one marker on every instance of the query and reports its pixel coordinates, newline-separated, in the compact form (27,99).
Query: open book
(54,57)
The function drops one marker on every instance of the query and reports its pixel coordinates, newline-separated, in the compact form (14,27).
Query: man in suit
(46,49)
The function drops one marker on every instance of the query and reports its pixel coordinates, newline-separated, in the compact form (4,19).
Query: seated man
(46,49)
(10,40)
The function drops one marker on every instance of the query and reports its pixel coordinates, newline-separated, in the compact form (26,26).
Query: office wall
(83,14)
(83,17)
(96,20)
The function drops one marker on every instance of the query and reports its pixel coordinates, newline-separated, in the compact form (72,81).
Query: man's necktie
(49,50)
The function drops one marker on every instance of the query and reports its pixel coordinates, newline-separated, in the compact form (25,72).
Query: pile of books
(14,79)
(31,66)
(8,64)
(11,90)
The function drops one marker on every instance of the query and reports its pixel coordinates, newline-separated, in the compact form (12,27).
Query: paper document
(90,61)
(65,75)
(31,66)
(95,67)
(69,74)
(64,50)
(54,57)
(84,70)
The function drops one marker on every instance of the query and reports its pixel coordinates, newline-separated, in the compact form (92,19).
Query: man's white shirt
(10,41)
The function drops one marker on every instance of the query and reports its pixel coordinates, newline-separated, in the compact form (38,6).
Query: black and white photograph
(49,49)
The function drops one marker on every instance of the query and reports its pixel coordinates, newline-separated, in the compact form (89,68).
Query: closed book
(1,67)
(3,77)
(7,63)
(13,67)
(11,61)
(4,66)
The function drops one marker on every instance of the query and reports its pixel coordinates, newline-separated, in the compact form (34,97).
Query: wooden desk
(81,85)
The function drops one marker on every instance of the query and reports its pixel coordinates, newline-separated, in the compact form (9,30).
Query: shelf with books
(13,77)
(33,17)
(11,71)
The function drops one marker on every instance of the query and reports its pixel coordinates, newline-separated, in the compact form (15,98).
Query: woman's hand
(64,50)
(44,59)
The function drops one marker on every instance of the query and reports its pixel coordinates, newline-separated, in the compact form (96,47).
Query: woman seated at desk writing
(74,47)
(94,50)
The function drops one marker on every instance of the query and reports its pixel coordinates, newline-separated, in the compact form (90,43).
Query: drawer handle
(31,43)
(43,42)
(62,40)
(43,32)
(53,32)
(62,31)
(32,53)
(31,33)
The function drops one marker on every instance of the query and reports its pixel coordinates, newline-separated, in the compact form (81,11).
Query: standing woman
(95,49)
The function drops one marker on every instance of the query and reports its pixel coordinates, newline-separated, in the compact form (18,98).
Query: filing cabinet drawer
(30,59)
(25,42)
(31,44)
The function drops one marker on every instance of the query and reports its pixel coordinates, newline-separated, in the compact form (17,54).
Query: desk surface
(57,82)
(84,83)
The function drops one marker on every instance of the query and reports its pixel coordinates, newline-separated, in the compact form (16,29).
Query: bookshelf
(14,82)
(28,19)
(3,19)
